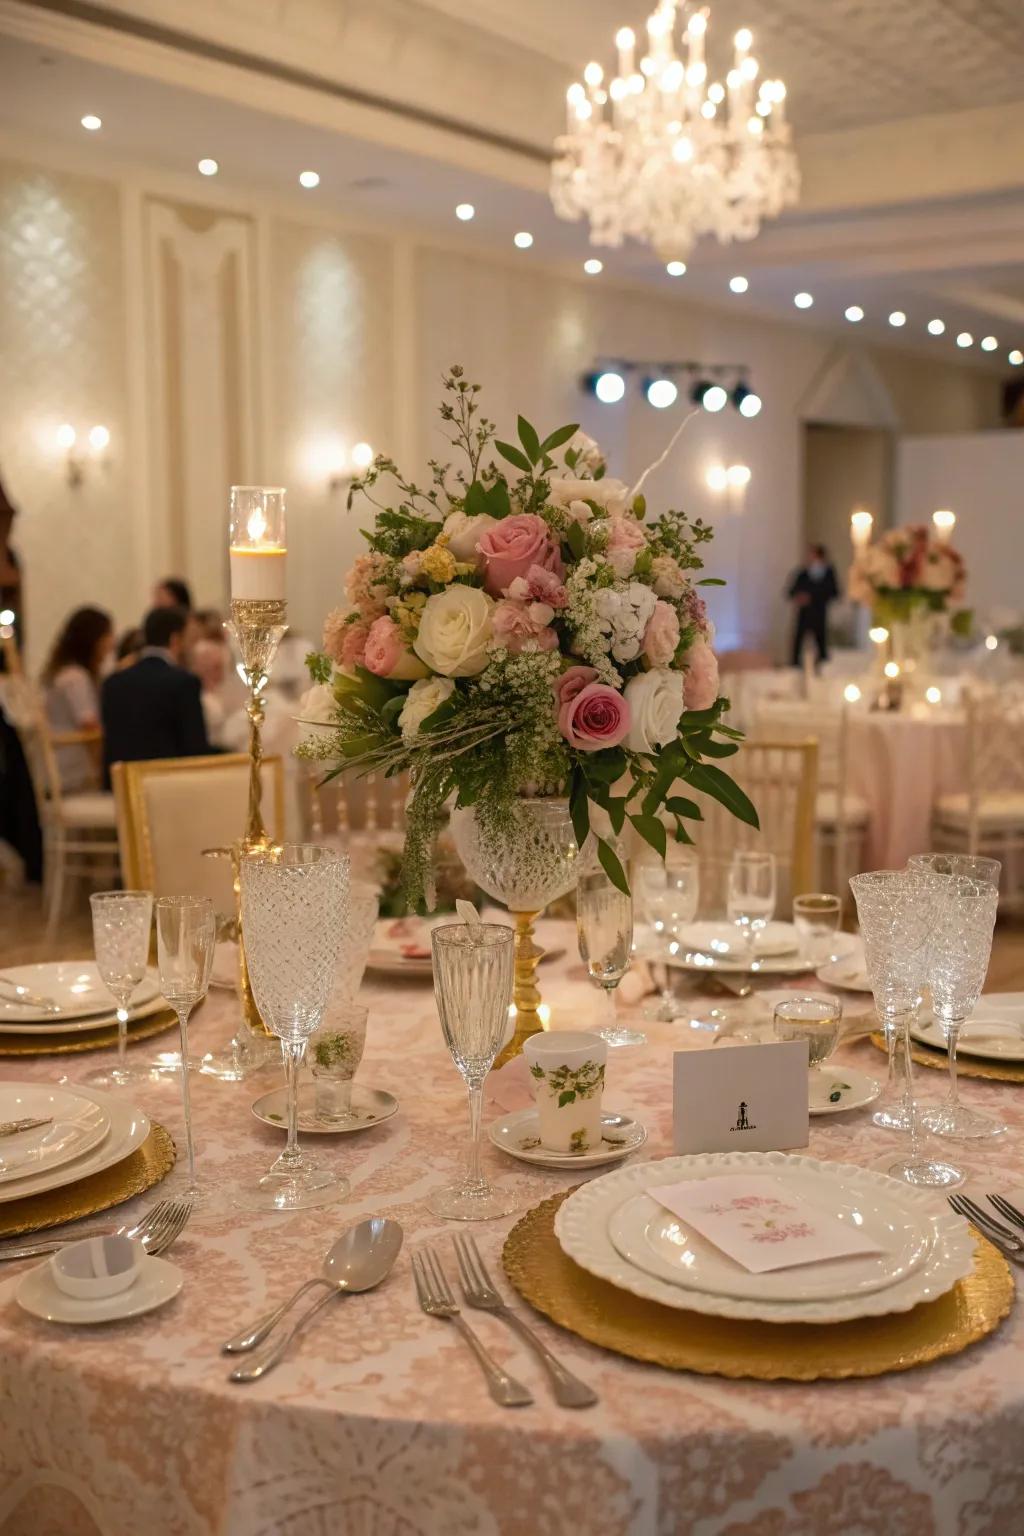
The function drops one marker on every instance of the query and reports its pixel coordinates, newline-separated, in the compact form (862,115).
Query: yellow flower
(438,564)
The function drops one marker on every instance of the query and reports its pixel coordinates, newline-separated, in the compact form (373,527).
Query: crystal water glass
(670,894)
(960,953)
(750,897)
(816,918)
(294,907)
(817,1020)
(121,924)
(186,936)
(604,931)
(473,971)
(334,1054)
(972,865)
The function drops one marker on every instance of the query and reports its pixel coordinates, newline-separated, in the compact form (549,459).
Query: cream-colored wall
(301,333)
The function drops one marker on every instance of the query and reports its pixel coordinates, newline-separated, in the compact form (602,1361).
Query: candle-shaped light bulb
(743,39)
(625,42)
(861,524)
(944,522)
(697,24)
(258,553)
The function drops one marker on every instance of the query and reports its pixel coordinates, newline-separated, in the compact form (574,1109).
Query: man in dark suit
(152,708)
(811,590)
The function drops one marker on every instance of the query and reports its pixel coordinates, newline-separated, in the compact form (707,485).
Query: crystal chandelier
(664,154)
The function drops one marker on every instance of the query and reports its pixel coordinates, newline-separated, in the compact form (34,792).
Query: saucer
(38,1293)
(517,1135)
(369,1107)
(834,1089)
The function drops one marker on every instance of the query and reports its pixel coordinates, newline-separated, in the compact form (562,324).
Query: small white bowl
(97,1266)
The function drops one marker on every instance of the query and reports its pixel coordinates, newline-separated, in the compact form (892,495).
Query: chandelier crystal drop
(664,153)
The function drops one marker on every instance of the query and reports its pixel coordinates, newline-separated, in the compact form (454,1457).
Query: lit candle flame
(256,527)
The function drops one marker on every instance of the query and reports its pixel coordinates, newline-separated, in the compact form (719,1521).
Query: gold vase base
(525,991)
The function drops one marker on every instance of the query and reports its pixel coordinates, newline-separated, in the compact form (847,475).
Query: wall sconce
(74,459)
(7,618)
(861,524)
(944,523)
(330,460)
(735,479)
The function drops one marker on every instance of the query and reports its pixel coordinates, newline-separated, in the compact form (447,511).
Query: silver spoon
(360,1259)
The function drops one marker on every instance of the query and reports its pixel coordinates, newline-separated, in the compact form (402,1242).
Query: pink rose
(596,717)
(540,586)
(661,635)
(366,584)
(700,677)
(626,539)
(345,637)
(514,545)
(386,653)
(572,681)
(353,645)
(516,624)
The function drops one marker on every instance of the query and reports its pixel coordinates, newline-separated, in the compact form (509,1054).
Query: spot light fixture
(711,396)
(746,401)
(661,392)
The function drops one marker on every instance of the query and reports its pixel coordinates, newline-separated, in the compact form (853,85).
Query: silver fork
(156,1229)
(436,1299)
(1001,1237)
(1006,1210)
(479,1291)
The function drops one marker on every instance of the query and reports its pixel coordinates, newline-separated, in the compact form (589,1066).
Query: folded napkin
(510,1087)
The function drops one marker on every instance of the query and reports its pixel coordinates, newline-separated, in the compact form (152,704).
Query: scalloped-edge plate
(582,1229)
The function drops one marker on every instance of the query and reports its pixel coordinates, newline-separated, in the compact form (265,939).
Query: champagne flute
(750,897)
(121,922)
(604,930)
(186,933)
(473,970)
(671,892)
(816,918)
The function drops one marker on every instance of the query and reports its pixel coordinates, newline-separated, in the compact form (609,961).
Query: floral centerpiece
(909,572)
(516,628)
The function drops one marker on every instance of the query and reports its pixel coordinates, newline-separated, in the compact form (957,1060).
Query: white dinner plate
(582,1229)
(129,1127)
(62,1025)
(518,1135)
(723,939)
(74,985)
(369,1107)
(849,972)
(75,1125)
(995,1030)
(767,965)
(388,962)
(834,1088)
(37,1292)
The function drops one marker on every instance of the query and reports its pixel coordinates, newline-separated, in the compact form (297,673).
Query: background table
(378,1423)
(900,764)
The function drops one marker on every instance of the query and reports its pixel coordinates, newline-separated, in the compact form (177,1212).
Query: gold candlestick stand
(526,993)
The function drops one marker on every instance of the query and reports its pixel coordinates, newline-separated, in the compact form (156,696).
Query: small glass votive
(567,1068)
(816,918)
(817,1020)
(334,1053)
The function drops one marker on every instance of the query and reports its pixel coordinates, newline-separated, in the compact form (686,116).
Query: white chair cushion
(1000,810)
(856,811)
(201,807)
(93,809)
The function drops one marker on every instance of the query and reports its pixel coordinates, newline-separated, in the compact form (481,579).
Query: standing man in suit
(153,708)
(811,590)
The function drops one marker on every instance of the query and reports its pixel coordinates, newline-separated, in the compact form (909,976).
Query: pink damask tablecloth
(378,1424)
(900,764)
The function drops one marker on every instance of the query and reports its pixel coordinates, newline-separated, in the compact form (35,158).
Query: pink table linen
(378,1423)
(900,765)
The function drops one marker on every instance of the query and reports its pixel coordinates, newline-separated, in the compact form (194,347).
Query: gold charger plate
(966,1066)
(146,1166)
(89,1039)
(715,1346)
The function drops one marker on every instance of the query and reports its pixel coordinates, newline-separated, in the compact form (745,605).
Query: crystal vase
(525,868)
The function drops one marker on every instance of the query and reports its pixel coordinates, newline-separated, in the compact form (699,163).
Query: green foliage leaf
(711,581)
(442,714)
(716,783)
(711,748)
(578,807)
(576,540)
(319,667)
(607,766)
(611,866)
(615,805)
(653,832)
(393,708)
(476,504)
(375,690)
(556,439)
(513,455)
(498,504)
(529,439)
(680,806)
(567,1097)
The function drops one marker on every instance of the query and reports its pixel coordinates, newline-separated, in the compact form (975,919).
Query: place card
(750,1098)
(756,1220)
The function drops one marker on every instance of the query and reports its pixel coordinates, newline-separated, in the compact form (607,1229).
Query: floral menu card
(760,1222)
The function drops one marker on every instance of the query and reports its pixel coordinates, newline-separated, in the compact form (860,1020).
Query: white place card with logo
(756,1220)
(749,1098)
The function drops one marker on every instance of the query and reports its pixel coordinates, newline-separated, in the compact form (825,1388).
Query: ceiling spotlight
(854,313)
(738,284)
(936,327)
(523,240)
(675,268)
(717,477)
(207,167)
(965,339)
(746,401)
(660,393)
(711,396)
(91,122)
(989,343)
(464,211)
(592,266)
(608,386)
(1016,357)
(309,179)
(738,475)
(803,300)
(897,318)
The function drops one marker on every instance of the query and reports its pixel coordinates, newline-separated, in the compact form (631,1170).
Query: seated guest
(210,625)
(71,680)
(172,592)
(153,709)
(129,648)
(209,661)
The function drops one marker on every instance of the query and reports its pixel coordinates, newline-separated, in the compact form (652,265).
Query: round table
(900,764)
(378,1420)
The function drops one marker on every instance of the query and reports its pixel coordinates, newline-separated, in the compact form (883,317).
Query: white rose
(938,573)
(580,512)
(422,699)
(588,454)
(464,534)
(317,707)
(612,495)
(455,630)
(655,701)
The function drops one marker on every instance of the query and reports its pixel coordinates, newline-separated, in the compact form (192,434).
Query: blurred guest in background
(210,660)
(71,680)
(10,571)
(210,625)
(811,590)
(172,592)
(129,647)
(153,708)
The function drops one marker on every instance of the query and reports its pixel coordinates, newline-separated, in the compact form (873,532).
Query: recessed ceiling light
(207,167)
(592,266)
(989,343)
(738,284)
(936,327)
(309,179)
(965,339)
(523,240)
(464,211)
(675,268)
(854,313)
(897,318)
(92,122)
(803,300)
(1016,357)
